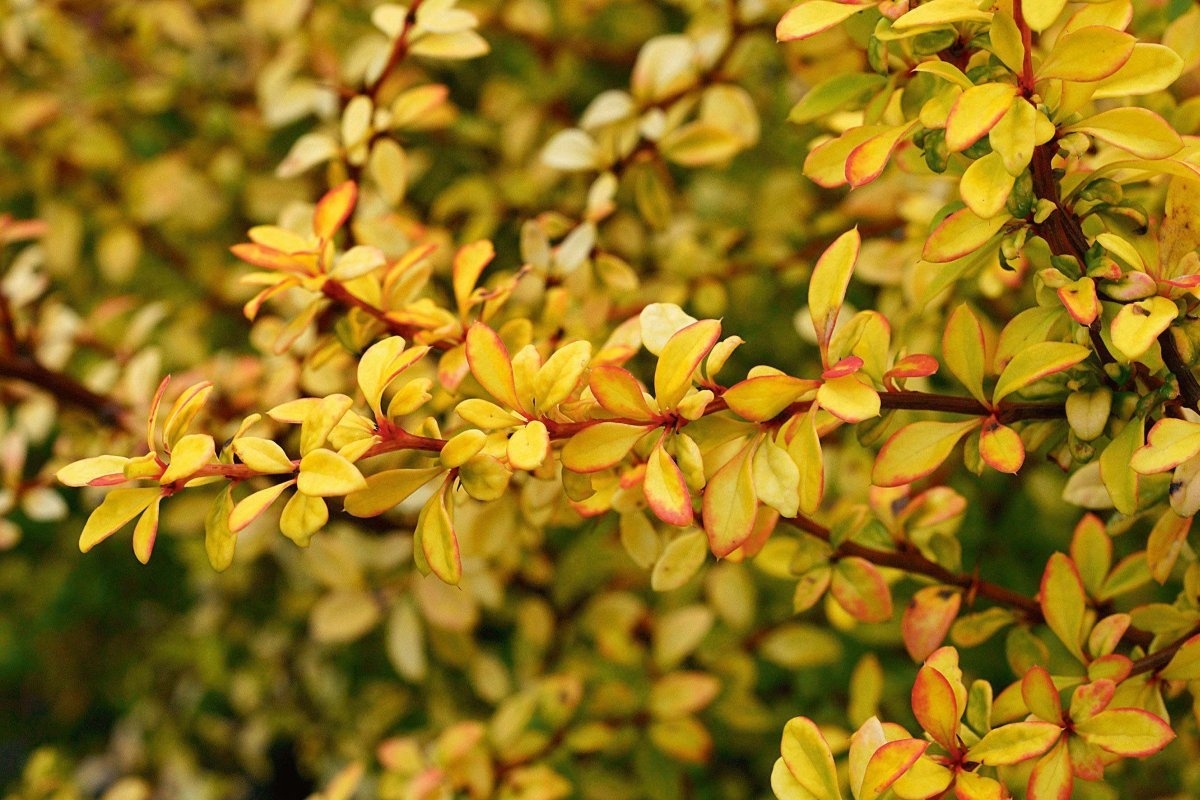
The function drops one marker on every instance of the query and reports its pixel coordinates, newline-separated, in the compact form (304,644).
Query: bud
(1088,412)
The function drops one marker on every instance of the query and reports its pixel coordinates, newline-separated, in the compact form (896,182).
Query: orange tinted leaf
(89,470)
(1000,447)
(1081,301)
(730,504)
(849,399)
(1090,699)
(1052,777)
(916,450)
(665,488)
(1170,443)
(763,397)
(961,233)
(830,277)
(975,112)
(618,392)
(334,209)
(1041,696)
(867,161)
(887,764)
(1166,542)
(927,619)
(679,358)
(146,531)
(936,707)
(436,542)
(1064,602)
(1137,325)
(491,365)
(859,588)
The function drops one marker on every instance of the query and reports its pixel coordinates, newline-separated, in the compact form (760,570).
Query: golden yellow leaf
(324,473)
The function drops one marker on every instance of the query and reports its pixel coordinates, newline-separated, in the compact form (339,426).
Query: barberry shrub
(638,381)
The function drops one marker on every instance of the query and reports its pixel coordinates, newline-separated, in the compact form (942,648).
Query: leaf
(343,616)
(809,759)
(219,539)
(1064,602)
(1166,542)
(849,399)
(699,143)
(888,764)
(262,455)
(916,450)
(617,391)
(529,446)
(1151,68)
(324,473)
(146,531)
(1001,447)
(680,560)
(188,455)
(813,17)
(436,541)
(730,505)
(1052,777)
(764,397)
(685,739)
(936,707)
(1138,325)
(678,694)
(251,507)
(680,357)
(456,45)
(1170,443)
(666,489)
(985,185)
(1032,364)
(302,517)
(975,112)
(1014,136)
(118,508)
(1136,130)
(1087,54)
(776,478)
(1015,742)
(1041,15)
(491,365)
(845,90)
(805,450)
(601,445)
(867,161)
(827,286)
(1185,664)
(1117,470)
(960,234)
(1129,732)
(556,380)
(571,150)
(96,471)
(859,588)
(334,209)
(1041,696)
(941,12)
(380,364)
(927,619)
(964,350)
(386,490)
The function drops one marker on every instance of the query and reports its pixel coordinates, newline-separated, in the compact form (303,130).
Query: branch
(66,390)
(1189,387)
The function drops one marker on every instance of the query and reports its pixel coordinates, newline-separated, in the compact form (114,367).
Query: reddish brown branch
(65,389)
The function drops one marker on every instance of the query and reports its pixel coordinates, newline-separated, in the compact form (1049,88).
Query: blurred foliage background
(146,135)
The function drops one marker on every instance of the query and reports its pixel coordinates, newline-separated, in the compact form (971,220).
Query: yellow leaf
(680,560)
(699,143)
(1042,14)
(975,112)
(100,469)
(302,517)
(1136,130)
(118,507)
(678,694)
(814,17)
(809,760)
(964,349)
(764,397)
(469,264)
(1088,54)
(188,455)
(343,615)
(805,450)
(1015,742)
(324,473)
(1129,732)
(1038,361)
(457,45)
(529,446)
(916,450)
(1004,37)
(830,277)
(1014,136)
(1138,325)
(825,165)
(262,455)
(861,590)
(334,209)
(320,419)
(849,399)
(462,447)
(1150,68)
(436,543)
(388,489)
(249,508)
(146,531)
(1170,443)
(888,764)
(960,233)
(1118,471)
(986,184)
(1064,603)
(381,364)
(1179,233)
(219,539)
(1166,542)
(556,380)
(491,365)
(776,478)
(183,411)
(684,739)
(730,505)
(601,445)
(486,415)
(680,357)
(665,488)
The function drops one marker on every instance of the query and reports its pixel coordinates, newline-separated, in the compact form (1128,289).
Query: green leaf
(680,560)
(1015,742)
(1064,603)
(844,91)
(964,349)
(1129,732)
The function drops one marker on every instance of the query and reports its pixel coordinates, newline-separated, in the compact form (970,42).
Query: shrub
(634,387)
